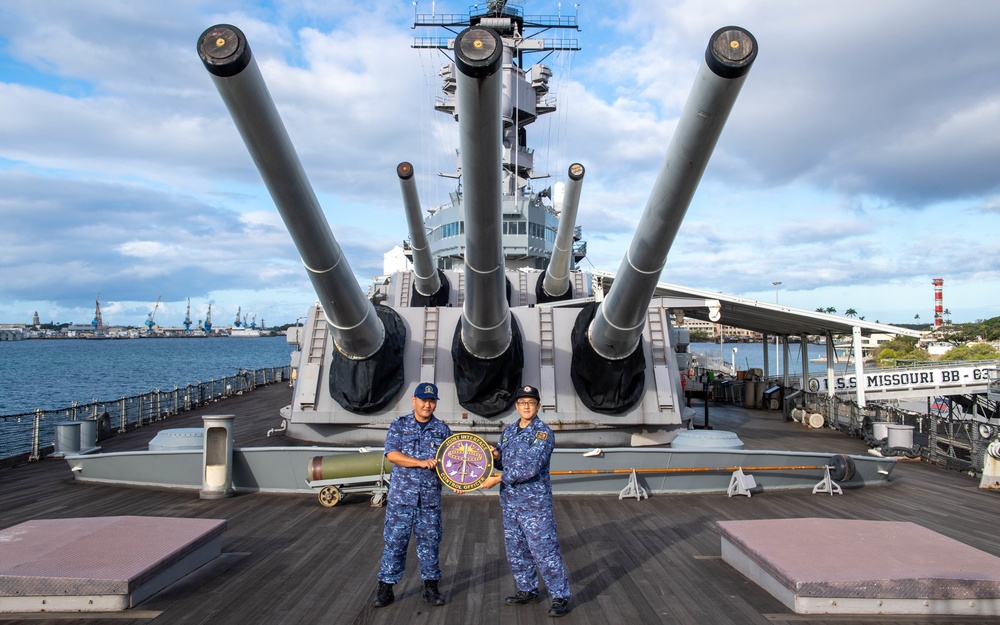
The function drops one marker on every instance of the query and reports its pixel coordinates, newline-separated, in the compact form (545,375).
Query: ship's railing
(955,439)
(31,435)
(460,19)
(546,45)
(993,385)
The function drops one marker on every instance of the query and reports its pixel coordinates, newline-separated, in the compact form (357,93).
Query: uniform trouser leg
(399,521)
(522,565)
(428,535)
(540,532)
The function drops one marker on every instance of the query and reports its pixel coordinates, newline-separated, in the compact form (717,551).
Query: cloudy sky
(861,160)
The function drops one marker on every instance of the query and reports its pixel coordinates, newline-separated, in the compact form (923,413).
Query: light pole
(777,361)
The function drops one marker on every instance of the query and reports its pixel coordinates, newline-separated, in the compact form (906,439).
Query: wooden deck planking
(288,560)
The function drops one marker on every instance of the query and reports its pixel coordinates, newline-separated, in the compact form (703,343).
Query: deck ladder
(522,289)
(546,358)
(428,352)
(404,290)
(578,287)
(461,288)
(658,350)
(307,384)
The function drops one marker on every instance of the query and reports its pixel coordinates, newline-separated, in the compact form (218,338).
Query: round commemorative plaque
(464,461)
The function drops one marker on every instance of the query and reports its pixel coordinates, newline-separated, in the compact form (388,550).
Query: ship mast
(530,219)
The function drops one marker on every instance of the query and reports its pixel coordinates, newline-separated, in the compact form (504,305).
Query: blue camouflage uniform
(414,501)
(529,525)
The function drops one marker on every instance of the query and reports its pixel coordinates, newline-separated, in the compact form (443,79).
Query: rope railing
(28,436)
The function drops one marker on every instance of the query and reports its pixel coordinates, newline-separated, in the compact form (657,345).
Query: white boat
(244,332)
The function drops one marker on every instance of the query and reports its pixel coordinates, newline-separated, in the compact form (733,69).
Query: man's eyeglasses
(526,404)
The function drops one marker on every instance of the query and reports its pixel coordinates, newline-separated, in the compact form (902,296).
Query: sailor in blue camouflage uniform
(529,526)
(414,501)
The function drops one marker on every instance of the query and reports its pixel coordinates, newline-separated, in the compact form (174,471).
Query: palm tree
(916,317)
(830,310)
(850,312)
(820,310)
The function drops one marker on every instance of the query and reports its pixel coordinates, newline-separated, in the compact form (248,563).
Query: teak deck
(288,560)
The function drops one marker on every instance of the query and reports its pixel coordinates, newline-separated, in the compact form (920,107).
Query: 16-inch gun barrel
(486,320)
(617,326)
(358,332)
(425,274)
(556,281)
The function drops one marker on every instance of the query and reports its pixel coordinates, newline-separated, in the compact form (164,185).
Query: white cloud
(858,160)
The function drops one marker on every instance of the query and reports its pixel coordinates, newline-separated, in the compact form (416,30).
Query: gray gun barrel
(556,280)
(485,314)
(357,331)
(617,325)
(427,281)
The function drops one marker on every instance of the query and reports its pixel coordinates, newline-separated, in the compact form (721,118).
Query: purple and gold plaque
(464,461)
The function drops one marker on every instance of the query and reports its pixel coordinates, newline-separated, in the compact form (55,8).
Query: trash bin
(749,394)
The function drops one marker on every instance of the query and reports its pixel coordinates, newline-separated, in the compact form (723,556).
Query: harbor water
(53,373)
(751,356)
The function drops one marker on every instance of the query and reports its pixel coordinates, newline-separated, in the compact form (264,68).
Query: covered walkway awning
(764,317)
(769,319)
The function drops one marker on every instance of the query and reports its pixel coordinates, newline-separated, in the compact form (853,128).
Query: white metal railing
(28,435)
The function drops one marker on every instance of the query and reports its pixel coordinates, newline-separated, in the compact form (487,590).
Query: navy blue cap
(426,390)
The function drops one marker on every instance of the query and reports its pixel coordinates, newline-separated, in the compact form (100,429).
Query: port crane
(151,319)
(98,323)
(187,318)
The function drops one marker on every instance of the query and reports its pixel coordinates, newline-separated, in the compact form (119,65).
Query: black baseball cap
(527,391)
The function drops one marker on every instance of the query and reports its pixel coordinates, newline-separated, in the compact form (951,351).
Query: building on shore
(13,332)
(713,330)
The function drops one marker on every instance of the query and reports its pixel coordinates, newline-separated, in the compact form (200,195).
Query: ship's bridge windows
(539,231)
(452,229)
(515,227)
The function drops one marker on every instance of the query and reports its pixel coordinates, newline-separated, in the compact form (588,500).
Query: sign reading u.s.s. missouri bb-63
(950,378)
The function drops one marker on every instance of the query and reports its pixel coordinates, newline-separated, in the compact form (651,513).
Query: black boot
(384,595)
(523,596)
(559,607)
(431,592)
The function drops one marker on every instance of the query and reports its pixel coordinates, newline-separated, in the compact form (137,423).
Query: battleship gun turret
(495,298)
(429,287)
(368,345)
(608,360)
(487,345)
(556,285)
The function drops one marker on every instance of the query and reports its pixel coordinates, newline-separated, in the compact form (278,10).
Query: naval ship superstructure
(495,298)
